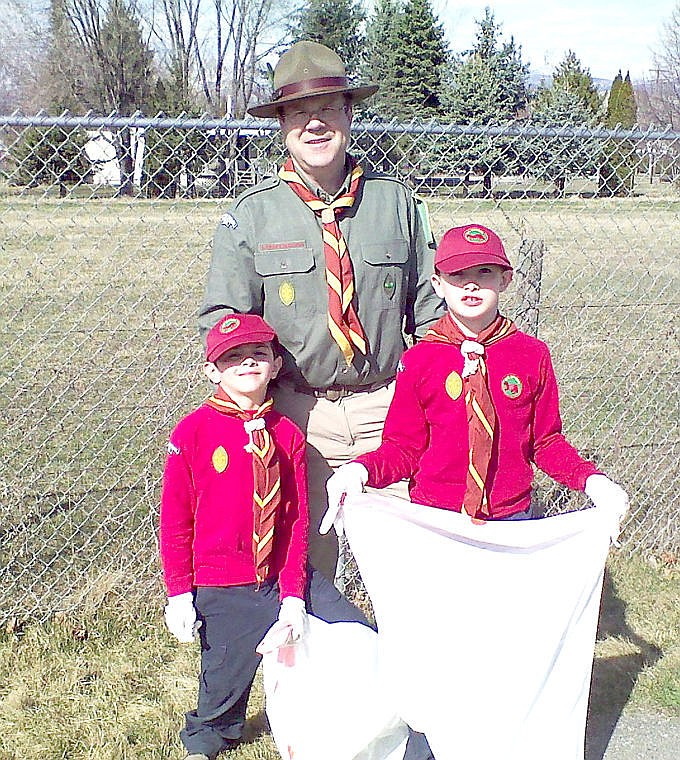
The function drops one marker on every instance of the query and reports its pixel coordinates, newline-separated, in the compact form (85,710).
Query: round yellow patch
(454,385)
(286,293)
(220,459)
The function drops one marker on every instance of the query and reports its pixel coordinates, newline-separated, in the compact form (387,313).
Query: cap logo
(476,236)
(229,325)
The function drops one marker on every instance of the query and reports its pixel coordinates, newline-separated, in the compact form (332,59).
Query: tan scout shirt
(268,259)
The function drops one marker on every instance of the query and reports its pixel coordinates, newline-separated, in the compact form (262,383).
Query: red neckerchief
(343,322)
(266,475)
(481,413)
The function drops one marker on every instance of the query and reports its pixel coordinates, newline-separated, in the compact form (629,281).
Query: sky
(606,35)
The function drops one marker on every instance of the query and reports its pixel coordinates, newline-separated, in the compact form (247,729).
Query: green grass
(111,683)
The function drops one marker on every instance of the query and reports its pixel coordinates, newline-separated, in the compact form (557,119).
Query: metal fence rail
(105,230)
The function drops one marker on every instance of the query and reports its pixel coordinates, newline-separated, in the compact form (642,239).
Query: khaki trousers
(337,432)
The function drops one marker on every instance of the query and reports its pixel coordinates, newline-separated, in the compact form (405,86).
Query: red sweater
(206,522)
(425,437)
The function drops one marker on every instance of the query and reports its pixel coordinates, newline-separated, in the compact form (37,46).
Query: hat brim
(460,261)
(270,110)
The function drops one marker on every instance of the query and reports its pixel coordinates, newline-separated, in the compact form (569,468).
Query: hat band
(309,85)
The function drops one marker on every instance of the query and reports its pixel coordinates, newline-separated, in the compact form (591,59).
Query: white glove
(609,495)
(348,480)
(294,614)
(180,617)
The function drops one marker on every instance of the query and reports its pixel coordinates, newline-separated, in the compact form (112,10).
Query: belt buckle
(334,394)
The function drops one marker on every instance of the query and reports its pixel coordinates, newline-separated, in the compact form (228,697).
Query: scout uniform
(236,580)
(340,316)
(423,439)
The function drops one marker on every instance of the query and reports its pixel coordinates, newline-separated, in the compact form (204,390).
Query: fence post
(528,274)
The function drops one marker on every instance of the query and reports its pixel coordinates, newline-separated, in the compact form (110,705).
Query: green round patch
(511,386)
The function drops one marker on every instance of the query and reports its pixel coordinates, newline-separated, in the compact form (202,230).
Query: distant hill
(536,78)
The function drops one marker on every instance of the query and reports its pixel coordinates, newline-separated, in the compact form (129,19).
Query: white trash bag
(324,697)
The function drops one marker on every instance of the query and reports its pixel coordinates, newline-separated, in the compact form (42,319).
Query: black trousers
(235,620)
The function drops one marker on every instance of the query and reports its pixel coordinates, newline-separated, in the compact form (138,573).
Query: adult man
(337,259)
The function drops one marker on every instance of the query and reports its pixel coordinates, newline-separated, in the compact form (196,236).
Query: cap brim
(460,261)
(270,110)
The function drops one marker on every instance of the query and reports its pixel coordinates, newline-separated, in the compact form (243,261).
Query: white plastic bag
(324,697)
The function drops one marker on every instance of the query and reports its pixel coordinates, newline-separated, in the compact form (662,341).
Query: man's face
(316,132)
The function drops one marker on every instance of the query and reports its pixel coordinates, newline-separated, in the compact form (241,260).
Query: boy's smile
(471,295)
(244,372)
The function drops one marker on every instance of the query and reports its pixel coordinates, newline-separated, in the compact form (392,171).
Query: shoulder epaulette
(267,183)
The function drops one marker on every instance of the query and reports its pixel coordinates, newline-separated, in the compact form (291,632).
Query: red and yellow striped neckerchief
(343,321)
(481,413)
(266,475)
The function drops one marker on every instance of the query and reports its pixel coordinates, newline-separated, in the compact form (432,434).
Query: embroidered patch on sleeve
(229,221)
(172,449)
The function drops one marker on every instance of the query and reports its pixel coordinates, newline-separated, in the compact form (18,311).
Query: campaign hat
(305,70)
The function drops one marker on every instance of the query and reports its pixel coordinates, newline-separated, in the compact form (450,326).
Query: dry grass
(99,302)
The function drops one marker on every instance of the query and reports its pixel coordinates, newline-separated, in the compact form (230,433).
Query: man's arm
(423,306)
(232,284)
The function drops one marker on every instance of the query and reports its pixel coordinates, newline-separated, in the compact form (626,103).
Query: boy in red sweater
(233,530)
(475,404)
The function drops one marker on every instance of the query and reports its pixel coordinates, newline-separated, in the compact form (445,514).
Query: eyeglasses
(328,114)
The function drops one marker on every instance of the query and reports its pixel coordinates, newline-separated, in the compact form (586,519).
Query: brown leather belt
(336,392)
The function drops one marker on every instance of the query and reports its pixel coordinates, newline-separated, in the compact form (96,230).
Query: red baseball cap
(235,330)
(469,246)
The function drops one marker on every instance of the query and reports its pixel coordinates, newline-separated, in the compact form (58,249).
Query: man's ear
(212,373)
(506,279)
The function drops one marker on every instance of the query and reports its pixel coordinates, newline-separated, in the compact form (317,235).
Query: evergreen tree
(125,59)
(378,64)
(336,24)
(571,77)
(617,171)
(487,85)
(419,60)
(621,106)
(571,100)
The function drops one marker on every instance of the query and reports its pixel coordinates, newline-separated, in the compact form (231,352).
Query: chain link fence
(105,233)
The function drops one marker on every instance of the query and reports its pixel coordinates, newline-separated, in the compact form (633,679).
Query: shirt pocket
(286,280)
(386,270)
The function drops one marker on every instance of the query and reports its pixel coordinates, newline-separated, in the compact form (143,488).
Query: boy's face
(244,372)
(471,295)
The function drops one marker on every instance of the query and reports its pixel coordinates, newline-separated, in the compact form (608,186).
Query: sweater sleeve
(405,435)
(293,575)
(178,506)
(552,453)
